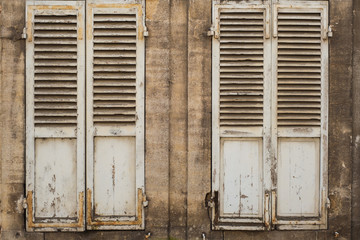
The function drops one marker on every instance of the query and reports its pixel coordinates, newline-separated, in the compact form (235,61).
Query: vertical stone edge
(340,118)
(178,119)
(199,120)
(157,106)
(355,204)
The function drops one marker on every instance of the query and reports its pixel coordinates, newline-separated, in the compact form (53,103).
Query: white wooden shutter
(301,99)
(115,115)
(55,124)
(241,116)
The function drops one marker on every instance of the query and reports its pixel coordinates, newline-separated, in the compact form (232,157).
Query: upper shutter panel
(115,115)
(241,68)
(299,68)
(55,116)
(114,68)
(55,69)
(302,97)
(241,97)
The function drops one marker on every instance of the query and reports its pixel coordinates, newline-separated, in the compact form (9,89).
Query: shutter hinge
(24,203)
(212,32)
(24,35)
(209,200)
(145,201)
(328,203)
(146,33)
(329,32)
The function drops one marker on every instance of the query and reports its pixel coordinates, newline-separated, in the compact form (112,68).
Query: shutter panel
(115,115)
(55,147)
(241,117)
(301,100)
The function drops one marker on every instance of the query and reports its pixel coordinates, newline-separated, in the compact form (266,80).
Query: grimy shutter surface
(55,104)
(239,115)
(301,99)
(115,115)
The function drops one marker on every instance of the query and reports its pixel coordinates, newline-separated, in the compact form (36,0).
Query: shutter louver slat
(299,69)
(55,54)
(114,68)
(241,68)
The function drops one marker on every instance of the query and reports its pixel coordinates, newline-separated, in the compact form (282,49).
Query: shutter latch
(330,32)
(146,33)
(24,35)
(212,32)
(267,211)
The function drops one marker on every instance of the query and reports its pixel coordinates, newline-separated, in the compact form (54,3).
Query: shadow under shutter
(115,115)
(55,99)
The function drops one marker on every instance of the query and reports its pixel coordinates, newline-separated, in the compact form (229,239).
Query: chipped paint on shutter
(55,122)
(115,115)
(241,118)
(301,99)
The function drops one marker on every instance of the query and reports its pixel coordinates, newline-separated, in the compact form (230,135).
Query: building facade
(176,116)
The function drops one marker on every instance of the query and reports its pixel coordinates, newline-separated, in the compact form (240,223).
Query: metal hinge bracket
(328,203)
(212,32)
(330,32)
(145,201)
(24,203)
(209,200)
(24,35)
(146,33)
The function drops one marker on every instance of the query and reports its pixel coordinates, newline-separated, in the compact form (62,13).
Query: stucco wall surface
(178,126)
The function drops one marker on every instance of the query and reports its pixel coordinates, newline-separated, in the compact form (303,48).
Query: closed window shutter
(270,107)
(241,117)
(55,124)
(115,115)
(301,100)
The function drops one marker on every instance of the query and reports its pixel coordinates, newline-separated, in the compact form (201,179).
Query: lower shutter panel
(238,116)
(115,116)
(55,117)
(301,117)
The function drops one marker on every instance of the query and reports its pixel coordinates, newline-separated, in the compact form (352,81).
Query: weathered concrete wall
(12,116)
(355,225)
(178,126)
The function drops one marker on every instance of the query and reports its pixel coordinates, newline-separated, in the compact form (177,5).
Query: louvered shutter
(55,124)
(300,97)
(241,116)
(115,115)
